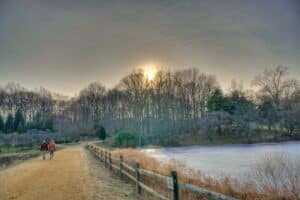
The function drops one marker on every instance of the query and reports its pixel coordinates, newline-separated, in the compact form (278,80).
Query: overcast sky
(65,44)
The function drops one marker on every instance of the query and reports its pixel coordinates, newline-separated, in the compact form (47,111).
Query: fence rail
(134,173)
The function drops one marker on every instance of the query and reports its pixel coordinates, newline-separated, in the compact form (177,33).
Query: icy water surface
(230,160)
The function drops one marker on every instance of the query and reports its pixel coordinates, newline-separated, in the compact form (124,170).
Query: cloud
(64,45)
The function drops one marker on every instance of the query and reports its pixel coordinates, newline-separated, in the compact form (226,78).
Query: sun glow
(150,72)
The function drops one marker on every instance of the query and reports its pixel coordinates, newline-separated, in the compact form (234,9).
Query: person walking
(51,148)
(44,149)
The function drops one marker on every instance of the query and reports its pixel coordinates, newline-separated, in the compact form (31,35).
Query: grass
(10,150)
(18,155)
(12,159)
(15,150)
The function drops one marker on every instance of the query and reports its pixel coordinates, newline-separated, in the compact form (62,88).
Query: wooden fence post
(105,159)
(110,161)
(121,166)
(137,176)
(101,155)
(175,195)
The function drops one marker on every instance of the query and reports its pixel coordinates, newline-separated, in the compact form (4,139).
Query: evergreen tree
(100,132)
(48,125)
(9,124)
(216,101)
(37,121)
(20,128)
(19,122)
(1,124)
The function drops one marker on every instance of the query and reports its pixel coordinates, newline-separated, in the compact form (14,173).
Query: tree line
(172,104)
(21,109)
(18,124)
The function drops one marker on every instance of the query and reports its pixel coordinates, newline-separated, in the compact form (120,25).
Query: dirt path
(73,174)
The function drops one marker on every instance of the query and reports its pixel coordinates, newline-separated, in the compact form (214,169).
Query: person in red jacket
(44,149)
(51,148)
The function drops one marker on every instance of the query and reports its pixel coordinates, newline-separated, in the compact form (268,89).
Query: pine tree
(9,124)
(37,121)
(19,122)
(100,132)
(1,124)
(20,128)
(48,125)
(216,101)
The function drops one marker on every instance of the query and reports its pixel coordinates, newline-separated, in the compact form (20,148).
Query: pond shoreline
(264,142)
(232,160)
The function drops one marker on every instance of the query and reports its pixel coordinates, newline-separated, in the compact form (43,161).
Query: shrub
(278,175)
(126,139)
(101,133)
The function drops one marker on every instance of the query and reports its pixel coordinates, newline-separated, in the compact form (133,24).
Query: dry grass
(132,156)
(242,190)
(278,175)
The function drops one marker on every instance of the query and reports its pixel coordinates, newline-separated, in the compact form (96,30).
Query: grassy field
(36,148)
(12,156)
(9,150)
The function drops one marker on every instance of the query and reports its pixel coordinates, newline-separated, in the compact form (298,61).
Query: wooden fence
(135,173)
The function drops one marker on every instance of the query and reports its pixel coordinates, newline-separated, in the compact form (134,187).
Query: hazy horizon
(63,45)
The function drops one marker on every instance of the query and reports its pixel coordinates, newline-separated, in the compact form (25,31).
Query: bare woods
(161,110)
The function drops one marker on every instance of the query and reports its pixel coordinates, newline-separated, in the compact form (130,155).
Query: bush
(126,139)
(279,175)
(101,133)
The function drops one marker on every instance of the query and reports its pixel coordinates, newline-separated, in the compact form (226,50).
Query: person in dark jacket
(44,149)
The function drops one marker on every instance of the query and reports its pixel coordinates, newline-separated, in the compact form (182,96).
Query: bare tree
(275,92)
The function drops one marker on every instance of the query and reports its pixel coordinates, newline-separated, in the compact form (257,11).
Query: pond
(229,160)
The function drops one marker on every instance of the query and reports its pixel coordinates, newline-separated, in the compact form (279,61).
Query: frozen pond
(231,160)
